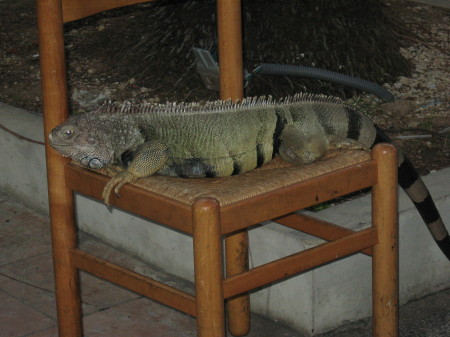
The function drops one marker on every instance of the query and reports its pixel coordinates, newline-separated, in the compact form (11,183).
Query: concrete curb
(312,303)
(436,3)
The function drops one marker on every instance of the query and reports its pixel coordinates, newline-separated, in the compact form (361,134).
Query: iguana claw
(117,183)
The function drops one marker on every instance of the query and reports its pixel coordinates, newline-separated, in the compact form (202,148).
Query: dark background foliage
(353,37)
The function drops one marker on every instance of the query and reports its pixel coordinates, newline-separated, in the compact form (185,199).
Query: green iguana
(222,138)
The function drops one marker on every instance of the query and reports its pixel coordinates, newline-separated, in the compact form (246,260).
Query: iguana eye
(68,133)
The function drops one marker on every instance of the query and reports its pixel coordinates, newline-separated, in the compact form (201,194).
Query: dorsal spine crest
(218,106)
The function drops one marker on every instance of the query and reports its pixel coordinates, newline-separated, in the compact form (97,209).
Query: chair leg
(385,253)
(238,308)
(64,238)
(229,36)
(68,301)
(54,95)
(229,32)
(208,268)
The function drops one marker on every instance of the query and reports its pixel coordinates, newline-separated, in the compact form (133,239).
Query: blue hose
(326,75)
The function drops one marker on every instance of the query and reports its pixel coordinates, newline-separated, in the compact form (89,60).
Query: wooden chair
(208,214)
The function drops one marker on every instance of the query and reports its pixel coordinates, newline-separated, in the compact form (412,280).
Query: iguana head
(84,140)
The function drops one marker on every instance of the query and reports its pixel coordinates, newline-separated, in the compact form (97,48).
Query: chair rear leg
(229,32)
(208,268)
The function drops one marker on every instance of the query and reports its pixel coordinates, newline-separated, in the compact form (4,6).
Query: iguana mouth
(60,145)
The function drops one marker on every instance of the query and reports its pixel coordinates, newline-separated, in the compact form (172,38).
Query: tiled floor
(27,299)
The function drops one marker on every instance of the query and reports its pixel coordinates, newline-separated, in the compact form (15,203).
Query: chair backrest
(51,16)
(77,9)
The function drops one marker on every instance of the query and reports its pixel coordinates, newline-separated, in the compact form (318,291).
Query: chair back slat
(78,9)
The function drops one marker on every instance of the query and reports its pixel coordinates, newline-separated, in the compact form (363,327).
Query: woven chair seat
(227,190)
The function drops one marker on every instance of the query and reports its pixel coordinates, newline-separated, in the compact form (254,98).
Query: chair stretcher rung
(316,227)
(299,262)
(140,284)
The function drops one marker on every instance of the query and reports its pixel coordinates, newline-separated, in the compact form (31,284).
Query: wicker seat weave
(227,190)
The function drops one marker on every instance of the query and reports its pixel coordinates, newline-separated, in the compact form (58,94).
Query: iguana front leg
(147,159)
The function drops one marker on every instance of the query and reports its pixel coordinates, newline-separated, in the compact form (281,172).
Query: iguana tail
(414,187)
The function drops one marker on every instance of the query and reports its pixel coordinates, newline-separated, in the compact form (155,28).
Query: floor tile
(52,332)
(97,293)
(40,299)
(146,318)
(19,319)
(139,318)
(37,271)
(23,234)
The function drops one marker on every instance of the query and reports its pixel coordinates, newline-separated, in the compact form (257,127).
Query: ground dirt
(421,113)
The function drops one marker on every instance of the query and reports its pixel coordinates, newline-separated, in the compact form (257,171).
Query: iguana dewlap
(222,138)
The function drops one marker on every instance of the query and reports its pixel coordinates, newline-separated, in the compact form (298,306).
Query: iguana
(222,138)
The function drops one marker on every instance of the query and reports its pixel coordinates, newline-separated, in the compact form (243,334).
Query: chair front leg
(385,254)
(238,308)
(208,267)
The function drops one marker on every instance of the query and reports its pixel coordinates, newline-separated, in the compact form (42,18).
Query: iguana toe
(116,183)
